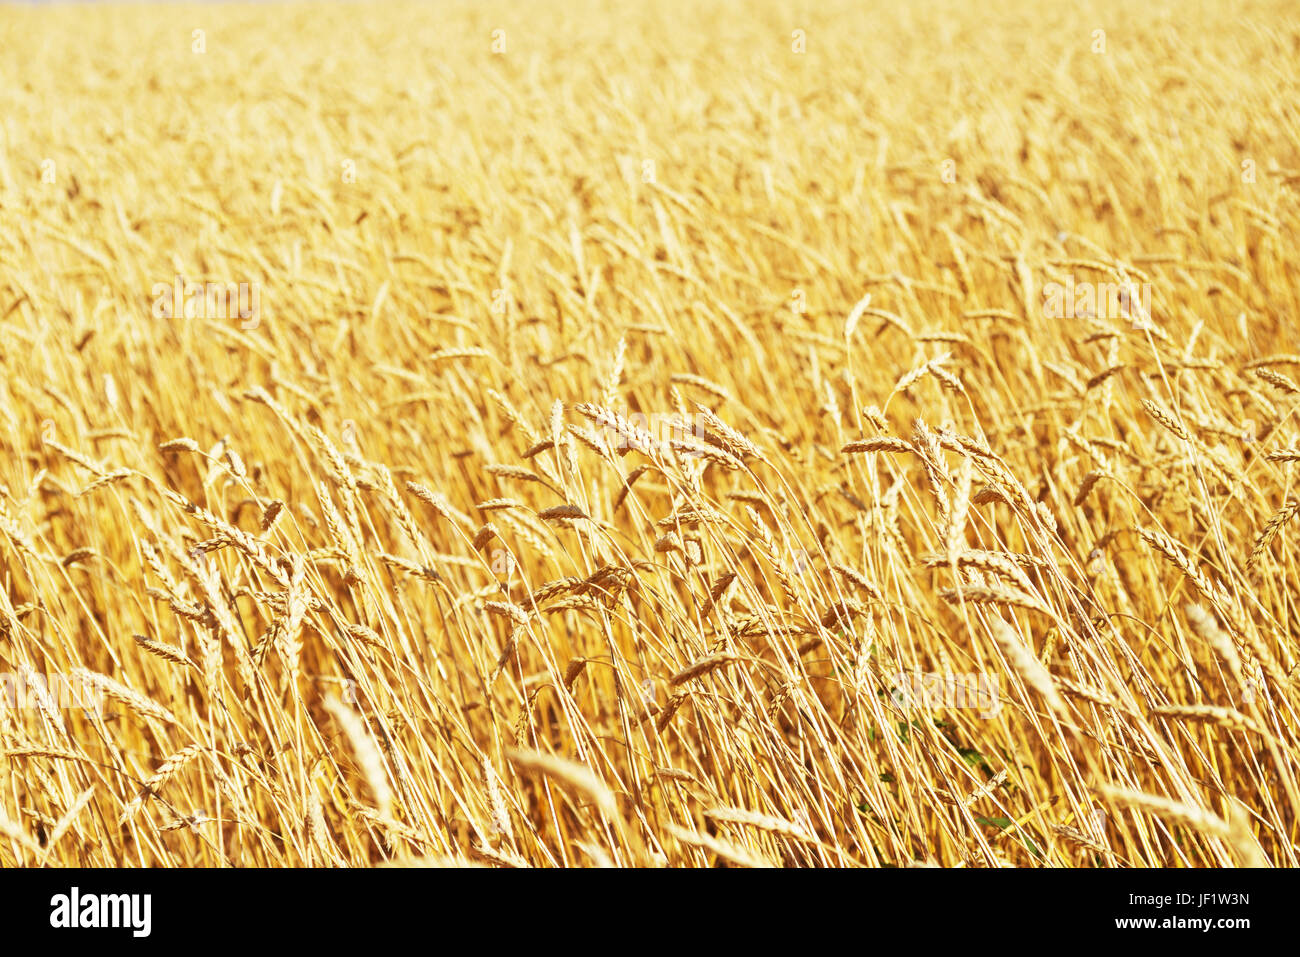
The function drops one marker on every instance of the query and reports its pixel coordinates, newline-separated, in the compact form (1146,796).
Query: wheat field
(717,434)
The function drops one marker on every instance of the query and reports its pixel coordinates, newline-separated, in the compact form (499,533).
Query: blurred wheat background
(650,417)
